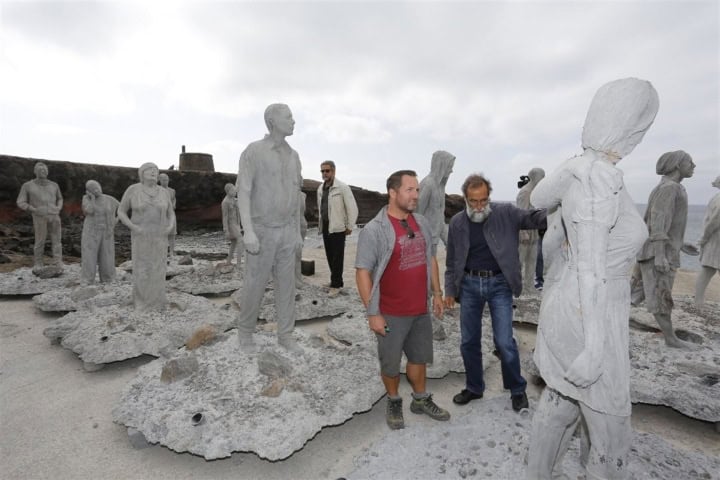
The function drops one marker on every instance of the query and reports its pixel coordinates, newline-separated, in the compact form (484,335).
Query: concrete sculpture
(709,246)
(164,182)
(98,234)
(659,259)
(431,203)
(232,225)
(582,341)
(268,183)
(153,220)
(303,232)
(42,198)
(529,238)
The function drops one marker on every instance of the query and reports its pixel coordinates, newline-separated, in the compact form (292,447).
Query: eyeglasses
(325,170)
(404,224)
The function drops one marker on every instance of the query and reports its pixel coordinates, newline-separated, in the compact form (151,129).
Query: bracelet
(437,294)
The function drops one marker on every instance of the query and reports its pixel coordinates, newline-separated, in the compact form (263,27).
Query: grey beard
(478,217)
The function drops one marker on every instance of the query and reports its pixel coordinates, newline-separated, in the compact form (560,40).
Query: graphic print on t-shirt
(412,252)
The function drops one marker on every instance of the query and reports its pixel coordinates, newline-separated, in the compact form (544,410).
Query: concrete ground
(55,418)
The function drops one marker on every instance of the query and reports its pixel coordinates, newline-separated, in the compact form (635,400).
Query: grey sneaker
(428,407)
(394,414)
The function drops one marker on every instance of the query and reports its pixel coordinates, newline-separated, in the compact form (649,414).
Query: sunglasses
(325,170)
(404,224)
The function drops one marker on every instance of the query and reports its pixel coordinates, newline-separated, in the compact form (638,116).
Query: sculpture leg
(284,273)
(257,275)
(554,423)
(231,250)
(88,263)
(703,279)
(610,438)
(40,229)
(55,238)
(671,340)
(239,251)
(171,245)
(106,259)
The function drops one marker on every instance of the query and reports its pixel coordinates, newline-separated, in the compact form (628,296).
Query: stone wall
(199,195)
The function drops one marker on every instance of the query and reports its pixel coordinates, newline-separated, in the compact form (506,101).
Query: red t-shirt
(403,286)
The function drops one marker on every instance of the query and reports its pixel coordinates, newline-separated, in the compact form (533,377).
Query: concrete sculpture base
(216,400)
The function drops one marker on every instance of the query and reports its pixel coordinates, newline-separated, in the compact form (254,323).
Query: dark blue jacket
(501,228)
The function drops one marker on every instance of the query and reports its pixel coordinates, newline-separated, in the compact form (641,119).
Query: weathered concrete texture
(113,333)
(352,329)
(85,297)
(270,403)
(687,381)
(311,302)
(208,280)
(527,308)
(175,267)
(491,441)
(23,282)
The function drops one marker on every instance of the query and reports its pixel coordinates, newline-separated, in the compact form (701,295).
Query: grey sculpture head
(619,115)
(164,179)
(716,183)
(536,174)
(93,187)
(669,162)
(145,167)
(441,165)
(40,170)
(278,119)
(230,189)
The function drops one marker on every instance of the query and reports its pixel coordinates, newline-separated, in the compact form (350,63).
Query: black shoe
(466,396)
(519,401)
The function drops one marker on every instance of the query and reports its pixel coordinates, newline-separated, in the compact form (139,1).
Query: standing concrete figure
(431,204)
(337,214)
(303,231)
(153,219)
(232,225)
(529,238)
(709,247)
(583,336)
(269,180)
(98,234)
(42,198)
(164,182)
(659,259)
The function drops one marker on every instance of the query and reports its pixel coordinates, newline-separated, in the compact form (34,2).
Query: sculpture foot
(93,367)
(291,345)
(247,344)
(677,343)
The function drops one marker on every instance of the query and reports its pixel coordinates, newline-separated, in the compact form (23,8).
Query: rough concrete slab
(270,403)
(174,267)
(84,297)
(208,279)
(23,282)
(112,333)
(491,441)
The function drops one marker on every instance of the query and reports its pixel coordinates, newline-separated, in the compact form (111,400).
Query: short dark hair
(328,162)
(475,180)
(395,179)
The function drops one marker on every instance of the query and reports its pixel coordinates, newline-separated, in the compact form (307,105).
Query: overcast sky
(374,86)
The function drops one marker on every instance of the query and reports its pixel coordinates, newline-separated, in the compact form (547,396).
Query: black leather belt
(482,273)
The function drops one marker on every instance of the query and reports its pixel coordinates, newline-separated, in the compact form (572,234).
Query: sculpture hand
(585,369)
(169,230)
(661,264)
(252,245)
(690,249)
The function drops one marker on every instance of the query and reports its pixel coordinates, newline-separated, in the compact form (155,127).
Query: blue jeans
(474,293)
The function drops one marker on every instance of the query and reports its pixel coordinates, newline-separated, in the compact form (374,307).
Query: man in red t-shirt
(396,270)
